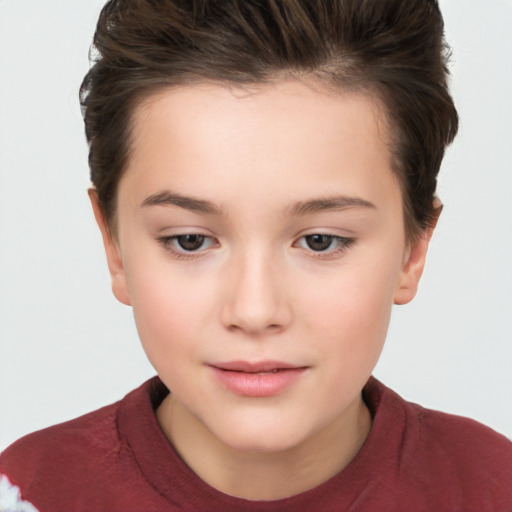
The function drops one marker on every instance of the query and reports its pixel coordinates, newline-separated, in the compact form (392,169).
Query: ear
(414,261)
(114,260)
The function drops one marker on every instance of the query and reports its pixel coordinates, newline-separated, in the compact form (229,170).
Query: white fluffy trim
(10,498)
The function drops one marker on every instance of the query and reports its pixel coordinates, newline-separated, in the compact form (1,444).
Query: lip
(257,379)
(255,367)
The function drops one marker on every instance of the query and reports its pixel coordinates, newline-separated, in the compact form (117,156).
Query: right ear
(112,251)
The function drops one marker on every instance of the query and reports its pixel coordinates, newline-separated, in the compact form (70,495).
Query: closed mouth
(261,367)
(260,379)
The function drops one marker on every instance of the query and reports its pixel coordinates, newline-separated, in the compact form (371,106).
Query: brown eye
(319,242)
(188,245)
(324,245)
(190,242)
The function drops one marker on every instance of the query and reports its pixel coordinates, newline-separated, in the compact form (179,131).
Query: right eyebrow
(168,198)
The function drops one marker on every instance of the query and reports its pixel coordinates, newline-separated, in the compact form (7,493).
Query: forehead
(232,140)
(258,108)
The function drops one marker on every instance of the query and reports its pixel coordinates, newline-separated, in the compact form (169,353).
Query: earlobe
(412,271)
(114,260)
(415,261)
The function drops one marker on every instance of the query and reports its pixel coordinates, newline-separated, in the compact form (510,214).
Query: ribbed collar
(171,477)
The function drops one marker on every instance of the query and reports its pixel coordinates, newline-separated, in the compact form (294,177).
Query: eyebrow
(331,203)
(189,203)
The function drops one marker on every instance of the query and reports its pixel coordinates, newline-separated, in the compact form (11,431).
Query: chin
(260,437)
(261,445)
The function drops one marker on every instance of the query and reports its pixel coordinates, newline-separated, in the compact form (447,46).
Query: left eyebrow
(331,203)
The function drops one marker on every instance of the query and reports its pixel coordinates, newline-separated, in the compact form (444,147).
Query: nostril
(252,329)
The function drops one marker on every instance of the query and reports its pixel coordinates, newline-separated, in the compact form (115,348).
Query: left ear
(414,262)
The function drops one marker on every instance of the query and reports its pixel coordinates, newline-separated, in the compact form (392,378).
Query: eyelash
(168,241)
(343,244)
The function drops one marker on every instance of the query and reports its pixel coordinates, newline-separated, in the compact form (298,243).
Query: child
(264,176)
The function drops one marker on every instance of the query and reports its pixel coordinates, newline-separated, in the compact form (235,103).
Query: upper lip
(254,367)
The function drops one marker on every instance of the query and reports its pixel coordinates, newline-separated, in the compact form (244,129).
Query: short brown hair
(395,48)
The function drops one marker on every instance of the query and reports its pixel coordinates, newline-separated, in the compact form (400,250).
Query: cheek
(167,323)
(169,310)
(352,310)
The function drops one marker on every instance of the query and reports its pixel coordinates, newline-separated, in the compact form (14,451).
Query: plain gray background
(67,347)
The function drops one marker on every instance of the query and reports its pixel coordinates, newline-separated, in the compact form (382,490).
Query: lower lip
(258,384)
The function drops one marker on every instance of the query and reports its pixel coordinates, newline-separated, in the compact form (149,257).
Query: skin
(255,290)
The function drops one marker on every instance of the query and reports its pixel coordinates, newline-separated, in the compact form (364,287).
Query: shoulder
(468,443)
(471,457)
(82,438)
(457,458)
(51,463)
(59,463)
(460,436)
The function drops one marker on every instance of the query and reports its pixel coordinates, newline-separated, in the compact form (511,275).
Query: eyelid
(344,243)
(167,242)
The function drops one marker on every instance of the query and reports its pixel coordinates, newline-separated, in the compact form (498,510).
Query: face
(260,242)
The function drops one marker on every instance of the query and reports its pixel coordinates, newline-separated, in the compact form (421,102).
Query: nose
(256,301)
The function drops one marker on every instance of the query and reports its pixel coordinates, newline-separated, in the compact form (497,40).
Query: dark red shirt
(117,459)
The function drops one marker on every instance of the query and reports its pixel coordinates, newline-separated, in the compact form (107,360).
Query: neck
(262,475)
